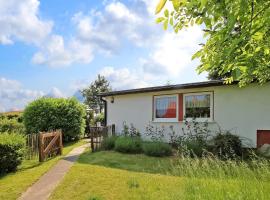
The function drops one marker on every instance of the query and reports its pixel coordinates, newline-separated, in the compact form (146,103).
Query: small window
(165,108)
(198,105)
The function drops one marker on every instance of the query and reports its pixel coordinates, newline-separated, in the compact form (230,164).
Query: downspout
(105,110)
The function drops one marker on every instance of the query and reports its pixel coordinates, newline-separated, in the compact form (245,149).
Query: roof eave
(165,88)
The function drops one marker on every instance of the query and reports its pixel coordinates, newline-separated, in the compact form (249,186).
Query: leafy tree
(90,94)
(237,36)
(47,114)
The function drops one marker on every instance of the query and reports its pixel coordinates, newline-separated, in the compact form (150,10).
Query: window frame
(165,119)
(211,118)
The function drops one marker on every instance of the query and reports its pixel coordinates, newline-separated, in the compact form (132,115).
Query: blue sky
(57,47)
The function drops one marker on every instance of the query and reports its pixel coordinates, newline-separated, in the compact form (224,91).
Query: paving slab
(42,189)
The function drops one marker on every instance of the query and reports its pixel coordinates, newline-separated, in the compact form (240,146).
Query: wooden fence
(97,134)
(32,150)
(50,144)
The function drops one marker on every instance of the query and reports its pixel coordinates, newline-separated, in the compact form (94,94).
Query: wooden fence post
(41,147)
(92,141)
(61,142)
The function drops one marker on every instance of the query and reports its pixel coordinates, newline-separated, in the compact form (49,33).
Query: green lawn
(113,176)
(13,184)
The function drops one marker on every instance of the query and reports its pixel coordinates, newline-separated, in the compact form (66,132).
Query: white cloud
(169,57)
(19,20)
(123,78)
(55,53)
(169,53)
(108,30)
(121,12)
(13,96)
(172,52)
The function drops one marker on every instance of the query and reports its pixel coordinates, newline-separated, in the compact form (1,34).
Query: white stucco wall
(242,110)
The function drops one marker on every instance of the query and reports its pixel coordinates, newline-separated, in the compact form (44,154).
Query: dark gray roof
(164,88)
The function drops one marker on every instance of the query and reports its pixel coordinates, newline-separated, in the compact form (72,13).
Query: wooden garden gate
(50,144)
(97,134)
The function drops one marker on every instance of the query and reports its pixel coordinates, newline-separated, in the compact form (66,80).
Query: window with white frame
(198,105)
(165,108)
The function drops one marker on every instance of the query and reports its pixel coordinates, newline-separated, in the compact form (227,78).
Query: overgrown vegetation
(130,131)
(195,140)
(11,125)
(108,143)
(157,149)
(47,114)
(12,147)
(164,178)
(227,146)
(127,144)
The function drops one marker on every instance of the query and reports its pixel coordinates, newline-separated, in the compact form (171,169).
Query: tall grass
(212,167)
(212,178)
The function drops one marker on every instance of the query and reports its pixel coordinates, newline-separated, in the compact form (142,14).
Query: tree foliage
(90,93)
(47,114)
(237,36)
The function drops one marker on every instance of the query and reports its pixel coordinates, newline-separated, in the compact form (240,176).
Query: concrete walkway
(42,189)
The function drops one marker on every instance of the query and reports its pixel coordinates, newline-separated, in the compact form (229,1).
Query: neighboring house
(245,111)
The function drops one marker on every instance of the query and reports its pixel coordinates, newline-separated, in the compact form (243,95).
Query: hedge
(47,114)
(12,148)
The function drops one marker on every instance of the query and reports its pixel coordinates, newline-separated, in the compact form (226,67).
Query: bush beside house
(127,144)
(227,146)
(12,148)
(195,141)
(47,114)
(108,143)
(157,149)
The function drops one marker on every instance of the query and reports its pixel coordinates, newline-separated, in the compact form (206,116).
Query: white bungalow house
(245,111)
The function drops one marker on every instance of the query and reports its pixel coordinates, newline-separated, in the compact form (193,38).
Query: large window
(165,108)
(198,105)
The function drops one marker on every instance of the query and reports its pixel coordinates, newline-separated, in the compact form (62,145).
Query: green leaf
(196,55)
(258,36)
(171,21)
(165,24)
(166,13)
(160,19)
(203,3)
(176,4)
(257,49)
(160,6)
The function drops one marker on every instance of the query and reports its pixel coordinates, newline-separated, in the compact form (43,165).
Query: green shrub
(47,114)
(158,149)
(227,146)
(11,125)
(126,144)
(12,148)
(108,143)
(195,147)
(99,118)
